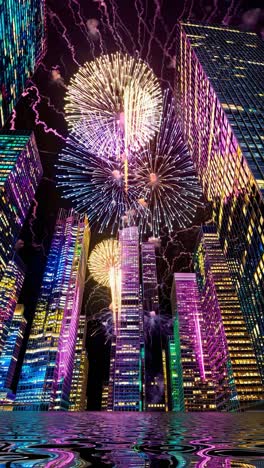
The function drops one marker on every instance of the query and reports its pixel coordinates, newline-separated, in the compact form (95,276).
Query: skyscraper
(9,356)
(154,379)
(22,47)
(10,286)
(47,372)
(191,360)
(20,173)
(219,93)
(78,399)
(127,353)
(232,359)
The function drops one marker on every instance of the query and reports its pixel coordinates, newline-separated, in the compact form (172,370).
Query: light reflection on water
(131,440)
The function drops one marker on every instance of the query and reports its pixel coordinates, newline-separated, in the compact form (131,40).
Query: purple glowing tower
(125,390)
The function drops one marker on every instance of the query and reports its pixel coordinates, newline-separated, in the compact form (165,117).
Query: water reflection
(131,440)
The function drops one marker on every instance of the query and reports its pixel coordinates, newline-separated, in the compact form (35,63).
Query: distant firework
(114,104)
(166,182)
(96,186)
(103,259)
(104,267)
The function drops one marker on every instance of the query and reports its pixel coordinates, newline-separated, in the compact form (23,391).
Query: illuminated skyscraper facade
(20,173)
(232,359)
(191,361)
(49,363)
(175,382)
(78,399)
(22,47)
(10,286)
(127,353)
(9,356)
(219,94)
(154,379)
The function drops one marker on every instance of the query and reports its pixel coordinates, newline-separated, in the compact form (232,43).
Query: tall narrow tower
(47,371)
(9,356)
(127,354)
(10,286)
(154,378)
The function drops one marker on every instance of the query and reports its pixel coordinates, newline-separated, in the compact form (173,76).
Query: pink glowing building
(190,365)
(49,366)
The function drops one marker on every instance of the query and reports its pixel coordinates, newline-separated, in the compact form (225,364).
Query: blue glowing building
(22,47)
(20,173)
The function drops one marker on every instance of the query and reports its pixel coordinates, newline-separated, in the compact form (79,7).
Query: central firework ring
(114,105)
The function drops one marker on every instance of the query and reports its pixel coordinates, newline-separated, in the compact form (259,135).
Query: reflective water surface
(131,440)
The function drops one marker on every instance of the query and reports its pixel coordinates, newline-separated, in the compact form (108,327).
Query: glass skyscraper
(232,359)
(22,47)
(219,94)
(78,399)
(10,287)
(125,392)
(20,173)
(49,364)
(9,356)
(154,380)
(190,375)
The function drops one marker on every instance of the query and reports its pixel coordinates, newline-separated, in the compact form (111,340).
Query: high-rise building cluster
(213,359)
(219,93)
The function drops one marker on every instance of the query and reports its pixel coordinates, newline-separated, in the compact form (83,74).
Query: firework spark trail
(154,322)
(81,24)
(185,4)
(13,120)
(50,105)
(101,322)
(104,13)
(140,12)
(46,129)
(189,16)
(122,25)
(32,219)
(213,12)
(54,17)
(153,30)
(227,18)
(42,65)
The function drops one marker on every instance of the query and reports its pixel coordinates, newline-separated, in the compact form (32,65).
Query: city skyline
(167,159)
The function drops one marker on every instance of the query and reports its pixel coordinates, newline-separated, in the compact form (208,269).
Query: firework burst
(164,175)
(104,267)
(97,187)
(114,104)
(104,257)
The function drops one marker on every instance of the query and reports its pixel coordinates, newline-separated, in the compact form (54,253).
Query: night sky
(139,27)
